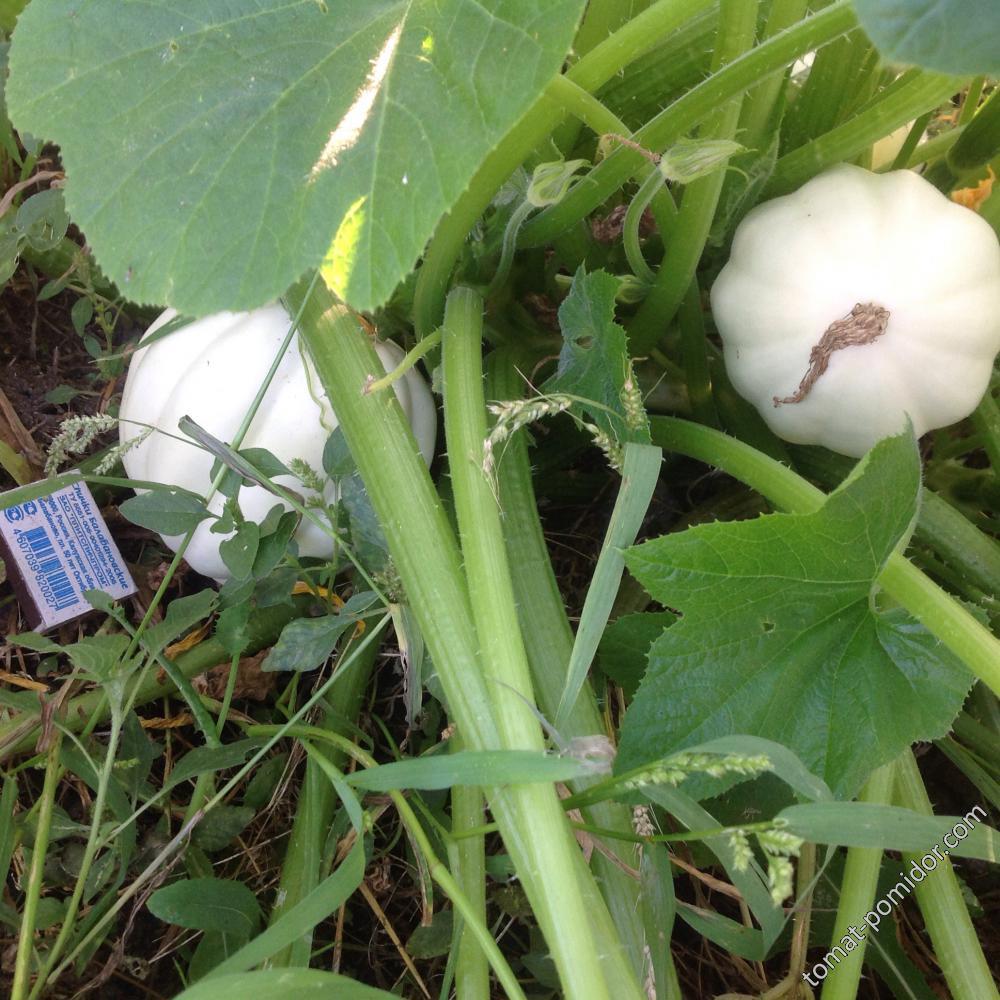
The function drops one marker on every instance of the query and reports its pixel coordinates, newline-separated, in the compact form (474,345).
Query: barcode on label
(51,568)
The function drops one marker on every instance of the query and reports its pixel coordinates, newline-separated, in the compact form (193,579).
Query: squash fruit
(211,370)
(858,301)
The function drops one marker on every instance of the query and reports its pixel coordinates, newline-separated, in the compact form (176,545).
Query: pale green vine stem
(548,640)
(653,191)
(986,420)
(423,348)
(914,94)
(90,850)
(673,122)
(427,558)
(911,141)
(551,847)
(43,829)
(468,860)
(737,26)
(971,101)
(649,188)
(759,104)
(942,905)
(857,893)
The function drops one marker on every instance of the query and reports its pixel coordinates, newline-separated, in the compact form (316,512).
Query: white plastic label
(61,547)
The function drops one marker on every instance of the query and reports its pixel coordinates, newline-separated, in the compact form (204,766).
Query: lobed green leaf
(781,635)
(950,36)
(214,152)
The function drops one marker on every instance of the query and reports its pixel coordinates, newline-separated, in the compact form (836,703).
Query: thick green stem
(303,863)
(898,104)
(427,559)
(39,855)
(979,142)
(468,857)
(694,356)
(548,639)
(911,142)
(89,855)
(602,19)
(960,542)
(943,616)
(857,893)
(759,105)
(983,740)
(551,847)
(737,26)
(986,420)
(674,121)
(942,905)
(596,68)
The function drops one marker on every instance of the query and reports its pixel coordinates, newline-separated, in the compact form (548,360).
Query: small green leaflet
(239,551)
(204,759)
(254,138)
(779,638)
(221,825)
(182,613)
(433,939)
(594,361)
(207,904)
(168,511)
(305,643)
(950,36)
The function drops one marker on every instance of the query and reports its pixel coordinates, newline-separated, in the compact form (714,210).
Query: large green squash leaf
(215,151)
(782,636)
(950,36)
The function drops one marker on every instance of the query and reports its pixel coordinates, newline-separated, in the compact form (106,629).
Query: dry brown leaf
(301,587)
(174,722)
(188,642)
(251,682)
(25,682)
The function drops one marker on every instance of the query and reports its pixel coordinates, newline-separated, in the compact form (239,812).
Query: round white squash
(857,301)
(210,370)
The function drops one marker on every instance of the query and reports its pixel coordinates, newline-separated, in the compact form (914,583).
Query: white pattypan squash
(211,370)
(856,301)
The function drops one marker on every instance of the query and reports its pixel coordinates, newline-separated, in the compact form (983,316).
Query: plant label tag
(55,547)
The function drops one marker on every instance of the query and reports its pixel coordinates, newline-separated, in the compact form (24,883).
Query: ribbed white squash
(210,370)
(849,238)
